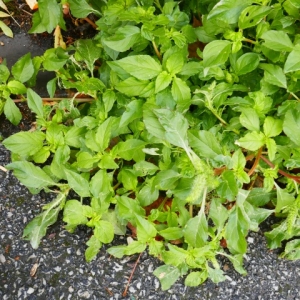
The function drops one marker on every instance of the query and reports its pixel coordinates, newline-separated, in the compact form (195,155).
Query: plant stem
(157,3)
(156,51)
(249,41)
(129,280)
(257,159)
(293,177)
(191,208)
(90,22)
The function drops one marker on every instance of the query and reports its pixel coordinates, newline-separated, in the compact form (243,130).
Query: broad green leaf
(103,134)
(85,160)
(30,175)
(175,126)
(216,275)
(127,207)
(259,197)
(228,187)
(272,127)
(252,15)
(133,87)
(167,276)
(292,250)
(171,233)
(74,213)
(104,231)
(128,179)
(235,232)
(191,68)
(196,278)
(145,229)
(252,141)
(181,91)
(35,103)
(228,10)
(250,119)
(6,30)
(112,217)
(4,73)
(79,184)
(284,199)
(274,75)
(74,135)
(23,69)
(37,228)
(218,213)
(54,59)
(94,246)
(205,144)
(25,143)
(291,125)
(16,87)
(277,40)
(12,112)
(147,195)
(81,8)
(196,231)
(88,51)
(246,63)
(135,247)
(165,179)
(216,53)
(162,81)
(292,62)
(134,110)
(130,149)
(48,16)
(117,251)
(124,38)
(142,67)
(175,63)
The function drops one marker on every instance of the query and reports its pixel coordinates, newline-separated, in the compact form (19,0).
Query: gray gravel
(62,272)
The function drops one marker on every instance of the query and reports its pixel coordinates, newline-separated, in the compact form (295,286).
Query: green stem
(157,3)
(156,51)
(249,41)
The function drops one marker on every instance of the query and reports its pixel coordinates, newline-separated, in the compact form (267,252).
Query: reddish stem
(251,171)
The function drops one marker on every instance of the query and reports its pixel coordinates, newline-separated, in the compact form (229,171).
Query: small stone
(2,258)
(30,290)
(250,240)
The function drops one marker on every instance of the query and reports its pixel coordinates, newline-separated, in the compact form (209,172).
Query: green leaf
(252,141)
(235,232)
(124,38)
(274,75)
(4,73)
(175,63)
(30,175)
(142,67)
(112,217)
(117,251)
(292,250)
(23,69)
(228,10)
(246,63)
(6,30)
(171,233)
(35,103)
(88,51)
(25,143)
(162,81)
(47,17)
(228,187)
(12,112)
(284,199)
(127,207)
(216,53)
(196,231)
(128,178)
(250,119)
(147,195)
(103,134)
(74,135)
(252,15)
(291,125)
(133,87)
(216,275)
(94,246)
(180,91)
(272,127)
(292,62)
(277,40)
(135,247)
(130,149)
(134,110)
(74,213)
(145,229)
(167,276)
(195,278)
(165,179)
(205,144)
(104,231)
(218,213)
(79,184)
(81,8)
(16,87)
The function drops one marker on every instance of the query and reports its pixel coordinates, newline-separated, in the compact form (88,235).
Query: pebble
(2,258)
(30,291)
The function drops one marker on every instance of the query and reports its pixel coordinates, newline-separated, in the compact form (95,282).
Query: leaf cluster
(190,149)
